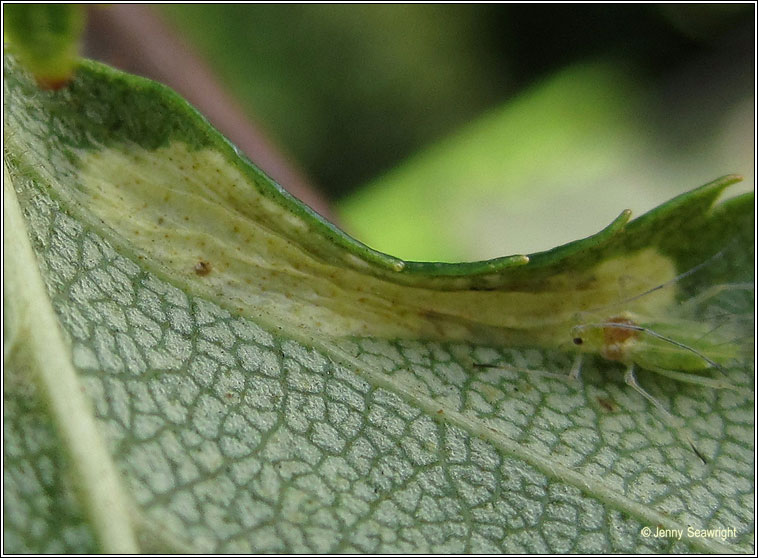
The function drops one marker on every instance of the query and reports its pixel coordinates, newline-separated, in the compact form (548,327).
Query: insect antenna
(700,455)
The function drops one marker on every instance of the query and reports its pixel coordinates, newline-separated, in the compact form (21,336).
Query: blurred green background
(459,132)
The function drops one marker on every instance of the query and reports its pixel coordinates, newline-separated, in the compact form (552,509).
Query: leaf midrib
(98,484)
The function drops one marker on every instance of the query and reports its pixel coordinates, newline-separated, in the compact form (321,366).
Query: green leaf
(195,362)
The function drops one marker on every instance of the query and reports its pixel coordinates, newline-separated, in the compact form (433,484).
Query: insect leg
(631,380)
(691,378)
(576,369)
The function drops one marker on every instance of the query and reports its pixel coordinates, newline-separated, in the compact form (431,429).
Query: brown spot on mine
(202,268)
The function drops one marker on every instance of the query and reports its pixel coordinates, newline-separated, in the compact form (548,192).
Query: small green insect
(691,344)
(672,350)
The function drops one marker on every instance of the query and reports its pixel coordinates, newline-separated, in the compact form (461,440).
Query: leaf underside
(233,425)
